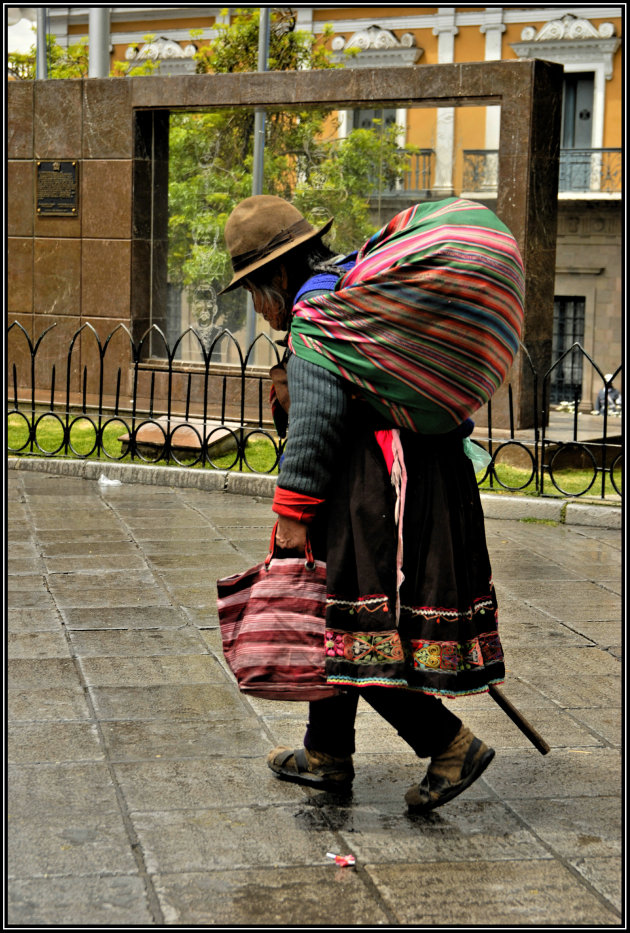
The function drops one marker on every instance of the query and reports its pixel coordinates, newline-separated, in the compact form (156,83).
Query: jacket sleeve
(317,419)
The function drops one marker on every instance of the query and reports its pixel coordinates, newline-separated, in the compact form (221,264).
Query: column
(445,30)
(493,30)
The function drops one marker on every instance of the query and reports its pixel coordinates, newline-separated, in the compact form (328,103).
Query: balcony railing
(419,175)
(590,170)
(582,171)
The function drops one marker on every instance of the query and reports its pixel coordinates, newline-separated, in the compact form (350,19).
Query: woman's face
(272,300)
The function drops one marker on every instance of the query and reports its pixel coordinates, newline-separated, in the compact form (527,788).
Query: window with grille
(568,328)
(364,119)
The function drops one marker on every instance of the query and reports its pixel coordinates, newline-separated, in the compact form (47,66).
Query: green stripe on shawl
(427,323)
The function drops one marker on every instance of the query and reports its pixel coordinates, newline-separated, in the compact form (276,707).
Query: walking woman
(388,352)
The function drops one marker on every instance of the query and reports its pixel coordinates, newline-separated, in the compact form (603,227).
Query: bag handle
(309,563)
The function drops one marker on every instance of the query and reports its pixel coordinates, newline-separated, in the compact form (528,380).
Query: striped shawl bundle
(428,321)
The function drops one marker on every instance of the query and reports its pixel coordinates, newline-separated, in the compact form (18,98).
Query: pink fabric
(384,440)
(272,621)
(389,442)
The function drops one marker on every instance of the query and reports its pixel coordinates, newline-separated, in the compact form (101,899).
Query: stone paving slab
(69,844)
(138,793)
(230,838)
(606,723)
(162,739)
(311,895)
(489,829)
(192,783)
(136,643)
(38,645)
(48,672)
(576,824)
(74,789)
(166,701)
(117,900)
(36,742)
(511,893)
(569,772)
(603,874)
(124,618)
(151,671)
(567,602)
(122,561)
(48,704)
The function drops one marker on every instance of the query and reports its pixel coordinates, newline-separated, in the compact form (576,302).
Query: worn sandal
(450,773)
(316,769)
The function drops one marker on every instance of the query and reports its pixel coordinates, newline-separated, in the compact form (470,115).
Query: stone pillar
(99,42)
(446,30)
(526,202)
(493,29)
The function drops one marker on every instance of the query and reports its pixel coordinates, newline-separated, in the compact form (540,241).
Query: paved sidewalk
(138,789)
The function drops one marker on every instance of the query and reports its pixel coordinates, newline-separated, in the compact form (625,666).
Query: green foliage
(351,171)
(70,62)
(211,157)
(236,47)
(21,65)
(260,453)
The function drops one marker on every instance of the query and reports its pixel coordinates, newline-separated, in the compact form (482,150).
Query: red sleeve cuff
(295,505)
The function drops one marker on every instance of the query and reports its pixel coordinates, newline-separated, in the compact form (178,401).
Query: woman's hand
(291,534)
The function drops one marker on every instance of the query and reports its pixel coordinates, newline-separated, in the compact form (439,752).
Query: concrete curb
(606,515)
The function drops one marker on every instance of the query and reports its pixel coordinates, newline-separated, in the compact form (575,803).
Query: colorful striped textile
(272,621)
(427,323)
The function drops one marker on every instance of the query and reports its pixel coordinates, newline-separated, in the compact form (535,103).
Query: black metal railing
(104,399)
(555,451)
(139,408)
(581,171)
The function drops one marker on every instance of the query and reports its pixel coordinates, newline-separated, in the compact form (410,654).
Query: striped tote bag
(272,621)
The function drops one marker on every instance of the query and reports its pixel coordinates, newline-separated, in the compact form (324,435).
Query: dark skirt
(443,638)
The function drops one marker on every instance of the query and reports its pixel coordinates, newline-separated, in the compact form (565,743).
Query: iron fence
(106,399)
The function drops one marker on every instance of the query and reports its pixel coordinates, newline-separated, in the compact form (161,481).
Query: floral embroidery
(334,644)
(365,647)
(451,656)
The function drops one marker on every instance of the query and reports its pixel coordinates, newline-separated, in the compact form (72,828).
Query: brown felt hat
(261,229)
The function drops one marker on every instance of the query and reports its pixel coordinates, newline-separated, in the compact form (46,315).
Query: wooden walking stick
(526,728)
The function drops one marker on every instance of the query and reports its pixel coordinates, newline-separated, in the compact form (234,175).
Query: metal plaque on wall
(58,188)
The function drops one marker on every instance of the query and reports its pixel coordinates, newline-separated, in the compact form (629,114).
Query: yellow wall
(613,108)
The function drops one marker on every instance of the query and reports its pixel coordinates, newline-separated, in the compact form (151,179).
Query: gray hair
(268,294)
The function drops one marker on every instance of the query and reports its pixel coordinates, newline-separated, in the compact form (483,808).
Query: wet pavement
(138,792)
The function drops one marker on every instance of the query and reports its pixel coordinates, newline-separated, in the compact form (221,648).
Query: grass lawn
(574,482)
(260,454)
(260,457)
